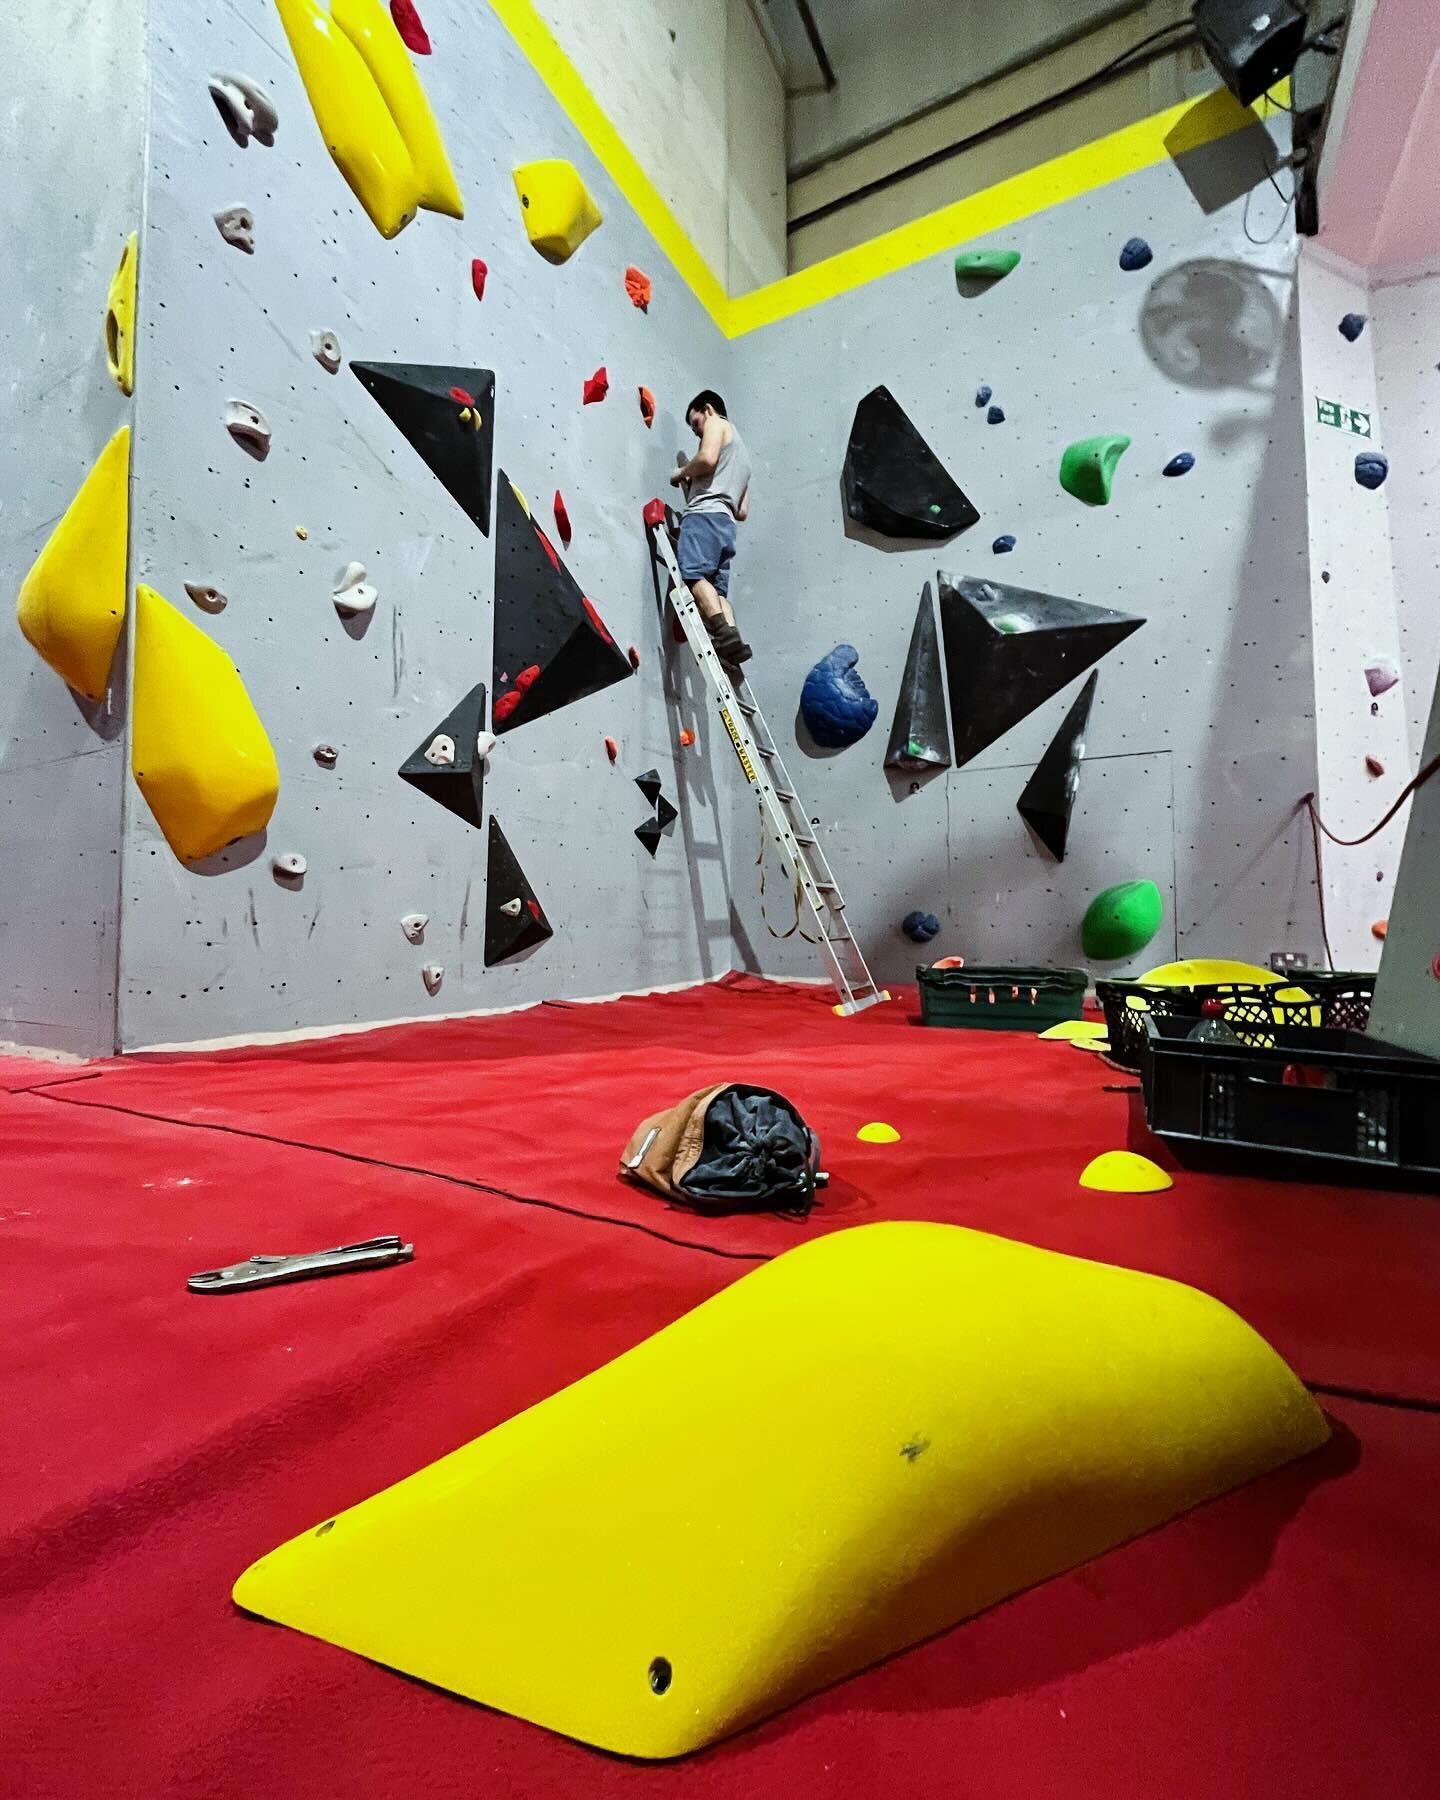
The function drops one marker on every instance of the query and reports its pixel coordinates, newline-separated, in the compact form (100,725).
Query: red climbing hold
(535,912)
(505,705)
(687,738)
(528,677)
(479,269)
(1379,929)
(1374,765)
(546,545)
(462,397)
(647,407)
(637,286)
(562,519)
(612,749)
(597,386)
(596,620)
(634,656)
(407,22)
(654,513)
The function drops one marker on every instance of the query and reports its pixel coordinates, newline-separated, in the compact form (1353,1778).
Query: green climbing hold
(1122,920)
(1087,469)
(976,270)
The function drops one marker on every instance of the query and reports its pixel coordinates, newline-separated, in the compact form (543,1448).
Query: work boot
(730,647)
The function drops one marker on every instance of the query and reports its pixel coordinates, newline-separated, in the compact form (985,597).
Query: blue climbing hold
(983,393)
(1181,464)
(834,702)
(1371,468)
(1351,326)
(995,416)
(920,927)
(1135,254)
(1003,544)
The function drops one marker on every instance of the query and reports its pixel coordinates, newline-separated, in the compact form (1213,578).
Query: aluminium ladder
(761,765)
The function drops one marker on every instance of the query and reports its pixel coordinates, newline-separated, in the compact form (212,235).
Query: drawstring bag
(725,1149)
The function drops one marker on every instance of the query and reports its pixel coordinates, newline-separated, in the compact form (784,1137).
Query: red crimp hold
(479,269)
(612,749)
(534,906)
(407,22)
(634,656)
(647,407)
(597,386)
(528,677)
(462,397)
(654,513)
(506,704)
(596,620)
(637,286)
(547,546)
(1374,765)
(562,519)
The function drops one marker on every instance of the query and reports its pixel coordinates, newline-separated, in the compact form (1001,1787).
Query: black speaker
(1252,43)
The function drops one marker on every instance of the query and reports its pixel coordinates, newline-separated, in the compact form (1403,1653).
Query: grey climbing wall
(74,175)
(224,949)
(1201,740)
(1407,990)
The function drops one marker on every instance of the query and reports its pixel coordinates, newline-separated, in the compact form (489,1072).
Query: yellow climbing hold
(1201,970)
(559,213)
(1123,1172)
(302,533)
(878,1133)
(120,318)
(1073,1031)
(990,1415)
(371,110)
(1096,1046)
(72,603)
(199,752)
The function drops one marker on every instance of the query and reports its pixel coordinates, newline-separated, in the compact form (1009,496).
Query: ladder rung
(746,707)
(805,840)
(783,794)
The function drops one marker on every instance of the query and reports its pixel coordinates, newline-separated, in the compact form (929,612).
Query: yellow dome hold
(1071,1031)
(878,1132)
(1123,1172)
(1200,971)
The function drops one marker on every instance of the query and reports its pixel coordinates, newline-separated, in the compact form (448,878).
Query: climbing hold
(1180,464)
(978,270)
(512,909)
(893,481)
(419,399)
(246,109)
(877,1132)
(1374,765)
(120,318)
(71,606)
(686,738)
(995,416)
(326,755)
(1135,254)
(413,925)
(1379,929)
(1003,544)
(479,270)
(649,785)
(562,519)
(353,595)
(325,348)
(1123,1172)
(1087,467)
(647,407)
(249,428)
(407,22)
(634,656)
(236,224)
(920,927)
(432,975)
(834,702)
(1008,649)
(1371,468)
(637,286)
(1049,796)
(449,765)
(198,750)
(612,749)
(596,387)
(441,750)
(1380,676)
(919,738)
(1351,326)
(982,394)
(371,110)
(485,742)
(301,533)
(1121,920)
(664,814)
(1074,1031)
(289,867)
(208,599)
(508,933)
(558,211)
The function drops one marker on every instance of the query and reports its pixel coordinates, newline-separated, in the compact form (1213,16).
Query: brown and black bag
(725,1149)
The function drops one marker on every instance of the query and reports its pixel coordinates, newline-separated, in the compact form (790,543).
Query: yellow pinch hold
(371,30)
(358,127)
(558,210)
(705,1530)
(71,606)
(120,317)
(198,750)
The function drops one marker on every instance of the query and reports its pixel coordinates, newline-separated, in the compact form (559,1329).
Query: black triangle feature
(1008,649)
(458,785)
(551,646)
(893,482)
(509,933)
(649,834)
(428,404)
(1049,797)
(665,813)
(649,785)
(920,738)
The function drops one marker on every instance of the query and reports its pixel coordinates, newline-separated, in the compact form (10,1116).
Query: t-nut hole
(661,1675)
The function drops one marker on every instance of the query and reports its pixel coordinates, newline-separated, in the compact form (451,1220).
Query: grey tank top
(722,492)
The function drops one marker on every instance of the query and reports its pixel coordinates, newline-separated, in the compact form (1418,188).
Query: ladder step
(810,841)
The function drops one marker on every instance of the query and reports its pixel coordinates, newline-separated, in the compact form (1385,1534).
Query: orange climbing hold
(479,269)
(1379,929)
(562,519)
(687,738)
(647,407)
(407,22)
(612,749)
(597,386)
(637,286)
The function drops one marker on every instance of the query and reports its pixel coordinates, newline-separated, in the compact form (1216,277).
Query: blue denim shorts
(707,544)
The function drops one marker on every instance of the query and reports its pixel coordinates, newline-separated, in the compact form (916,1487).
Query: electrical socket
(1286,962)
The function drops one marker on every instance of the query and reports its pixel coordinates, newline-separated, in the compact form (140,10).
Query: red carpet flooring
(1278,1643)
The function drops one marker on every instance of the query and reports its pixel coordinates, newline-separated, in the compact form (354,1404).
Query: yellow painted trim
(1185,126)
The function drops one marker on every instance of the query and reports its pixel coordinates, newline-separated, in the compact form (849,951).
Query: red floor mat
(996,1127)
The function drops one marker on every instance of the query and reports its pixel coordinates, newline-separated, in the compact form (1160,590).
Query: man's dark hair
(707,397)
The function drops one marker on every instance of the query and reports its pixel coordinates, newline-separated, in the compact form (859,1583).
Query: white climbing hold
(248,111)
(325,348)
(326,755)
(441,751)
(511,908)
(208,599)
(236,225)
(353,594)
(292,864)
(249,428)
(413,925)
(432,975)
(484,744)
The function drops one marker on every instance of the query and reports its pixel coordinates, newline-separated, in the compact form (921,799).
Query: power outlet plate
(1287,962)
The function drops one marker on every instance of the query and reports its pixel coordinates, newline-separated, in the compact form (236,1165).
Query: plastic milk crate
(999,999)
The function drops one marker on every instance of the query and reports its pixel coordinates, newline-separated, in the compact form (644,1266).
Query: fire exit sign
(1343,418)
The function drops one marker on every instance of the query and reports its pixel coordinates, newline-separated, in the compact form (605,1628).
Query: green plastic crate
(998,999)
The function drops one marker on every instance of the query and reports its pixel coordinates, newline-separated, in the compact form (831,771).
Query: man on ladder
(716,485)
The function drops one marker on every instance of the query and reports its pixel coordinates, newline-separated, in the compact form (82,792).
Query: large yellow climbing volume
(557,208)
(371,109)
(120,318)
(72,603)
(198,749)
(876,1435)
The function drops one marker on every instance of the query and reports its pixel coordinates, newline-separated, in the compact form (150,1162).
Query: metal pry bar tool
(265,1271)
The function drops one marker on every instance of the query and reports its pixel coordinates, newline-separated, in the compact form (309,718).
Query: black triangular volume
(551,646)
(1008,649)
(920,738)
(649,835)
(507,933)
(894,483)
(448,416)
(649,785)
(1049,797)
(458,785)
(665,813)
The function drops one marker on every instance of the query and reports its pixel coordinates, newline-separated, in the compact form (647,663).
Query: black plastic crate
(1252,1010)
(1310,1102)
(1000,999)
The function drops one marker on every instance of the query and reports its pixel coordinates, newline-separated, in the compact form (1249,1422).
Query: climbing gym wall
(1200,740)
(307,375)
(70,200)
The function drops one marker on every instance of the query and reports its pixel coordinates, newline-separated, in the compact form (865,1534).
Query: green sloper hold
(1087,469)
(976,270)
(1122,920)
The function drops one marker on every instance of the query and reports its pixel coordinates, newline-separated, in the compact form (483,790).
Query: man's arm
(702,464)
(742,512)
